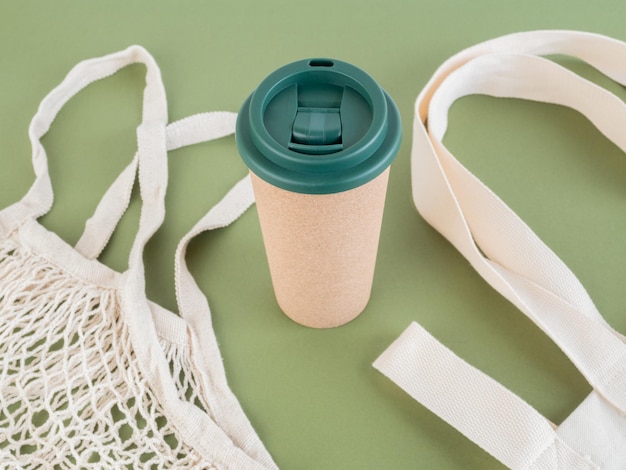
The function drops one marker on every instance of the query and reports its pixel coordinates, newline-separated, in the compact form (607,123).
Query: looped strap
(504,250)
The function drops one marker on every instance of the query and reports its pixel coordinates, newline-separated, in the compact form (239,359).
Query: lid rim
(372,147)
(320,183)
(341,74)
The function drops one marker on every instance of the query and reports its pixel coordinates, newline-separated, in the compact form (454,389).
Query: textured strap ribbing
(483,410)
(499,245)
(100,227)
(191,301)
(39,198)
(151,154)
(188,131)
(193,306)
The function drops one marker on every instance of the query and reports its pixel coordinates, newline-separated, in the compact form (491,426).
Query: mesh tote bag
(92,374)
(513,260)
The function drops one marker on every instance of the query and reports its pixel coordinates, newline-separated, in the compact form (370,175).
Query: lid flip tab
(316,131)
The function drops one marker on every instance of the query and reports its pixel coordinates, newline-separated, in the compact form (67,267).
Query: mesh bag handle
(150,159)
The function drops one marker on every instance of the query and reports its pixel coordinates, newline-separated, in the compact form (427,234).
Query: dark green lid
(318,126)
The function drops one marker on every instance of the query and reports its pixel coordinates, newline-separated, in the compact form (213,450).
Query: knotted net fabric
(72,393)
(92,374)
(515,262)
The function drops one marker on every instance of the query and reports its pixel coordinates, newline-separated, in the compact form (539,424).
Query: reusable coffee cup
(318,136)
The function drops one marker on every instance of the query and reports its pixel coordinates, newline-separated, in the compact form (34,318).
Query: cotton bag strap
(188,131)
(480,408)
(151,153)
(497,243)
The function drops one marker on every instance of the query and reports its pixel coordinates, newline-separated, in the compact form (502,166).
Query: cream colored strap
(100,227)
(191,302)
(39,199)
(193,305)
(499,245)
(150,158)
(483,410)
(188,131)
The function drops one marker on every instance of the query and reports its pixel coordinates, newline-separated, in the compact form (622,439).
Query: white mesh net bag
(93,375)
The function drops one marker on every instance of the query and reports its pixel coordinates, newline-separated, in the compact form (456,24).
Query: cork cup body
(319,136)
(321,249)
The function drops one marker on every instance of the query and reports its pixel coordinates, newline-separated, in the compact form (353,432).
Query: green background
(311,394)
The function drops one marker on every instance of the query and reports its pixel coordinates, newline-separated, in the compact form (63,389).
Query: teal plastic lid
(318,126)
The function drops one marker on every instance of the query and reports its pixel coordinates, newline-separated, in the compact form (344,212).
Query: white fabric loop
(100,227)
(188,131)
(508,254)
(510,246)
(476,405)
(39,199)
